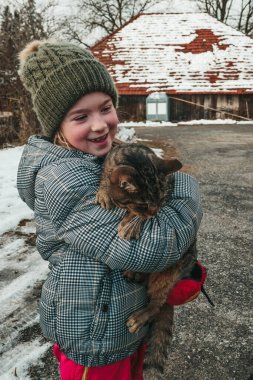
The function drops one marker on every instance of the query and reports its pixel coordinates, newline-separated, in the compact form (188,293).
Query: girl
(85,301)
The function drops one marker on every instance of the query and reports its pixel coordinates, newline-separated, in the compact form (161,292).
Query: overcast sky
(65,7)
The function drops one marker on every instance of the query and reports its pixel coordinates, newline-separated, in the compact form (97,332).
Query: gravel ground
(216,343)
(209,343)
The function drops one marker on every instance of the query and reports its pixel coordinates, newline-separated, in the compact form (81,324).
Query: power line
(209,108)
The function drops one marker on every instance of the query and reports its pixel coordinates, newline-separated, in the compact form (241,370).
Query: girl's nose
(98,124)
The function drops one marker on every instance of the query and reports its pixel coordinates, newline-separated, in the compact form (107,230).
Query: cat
(135,179)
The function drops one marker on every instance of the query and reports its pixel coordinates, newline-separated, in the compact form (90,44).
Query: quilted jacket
(85,300)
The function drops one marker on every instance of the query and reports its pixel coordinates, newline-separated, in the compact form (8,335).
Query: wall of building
(221,106)
(190,107)
(132,108)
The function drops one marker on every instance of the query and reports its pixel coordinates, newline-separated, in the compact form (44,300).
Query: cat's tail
(159,340)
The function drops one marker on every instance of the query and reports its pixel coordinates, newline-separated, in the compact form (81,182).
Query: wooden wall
(133,107)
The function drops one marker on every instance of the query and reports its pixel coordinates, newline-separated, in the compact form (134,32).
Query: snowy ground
(22,270)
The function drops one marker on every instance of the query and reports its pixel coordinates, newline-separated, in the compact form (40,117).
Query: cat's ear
(169,166)
(123,176)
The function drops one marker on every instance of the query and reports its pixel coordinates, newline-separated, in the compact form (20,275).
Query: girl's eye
(81,118)
(107,109)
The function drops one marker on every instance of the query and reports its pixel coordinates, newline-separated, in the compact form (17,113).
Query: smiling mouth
(99,139)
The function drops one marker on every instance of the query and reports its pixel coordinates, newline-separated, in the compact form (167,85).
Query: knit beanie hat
(57,74)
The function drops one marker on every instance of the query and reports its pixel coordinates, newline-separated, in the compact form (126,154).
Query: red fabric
(130,368)
(187,289)
(69,370)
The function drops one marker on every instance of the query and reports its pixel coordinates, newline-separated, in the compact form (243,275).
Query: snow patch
(12,208)
(13,365)
(212,122)
(125,134)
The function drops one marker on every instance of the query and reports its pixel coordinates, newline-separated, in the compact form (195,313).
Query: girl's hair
(59,139)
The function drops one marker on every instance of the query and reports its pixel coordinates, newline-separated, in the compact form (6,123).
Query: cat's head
(143,188)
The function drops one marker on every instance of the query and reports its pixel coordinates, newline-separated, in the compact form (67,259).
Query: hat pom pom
(30,48)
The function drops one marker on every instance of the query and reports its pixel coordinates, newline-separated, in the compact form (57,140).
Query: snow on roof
(178,53)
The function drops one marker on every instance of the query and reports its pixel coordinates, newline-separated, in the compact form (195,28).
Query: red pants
(130,368)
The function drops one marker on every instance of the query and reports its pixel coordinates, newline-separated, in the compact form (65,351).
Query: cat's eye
(143,207)
(123,202)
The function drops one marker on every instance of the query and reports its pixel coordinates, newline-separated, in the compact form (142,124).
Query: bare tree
(219,9)
(17,28)
(245,22)
(103,16)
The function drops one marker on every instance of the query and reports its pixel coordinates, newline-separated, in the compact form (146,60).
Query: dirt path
(216,343)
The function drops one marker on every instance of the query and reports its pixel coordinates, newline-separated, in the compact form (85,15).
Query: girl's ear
(123,176)
(169,166)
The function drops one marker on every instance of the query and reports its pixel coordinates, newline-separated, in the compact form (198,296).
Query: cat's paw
(130,229)
(103,199)
(127,232)
(135,276)
(137,320)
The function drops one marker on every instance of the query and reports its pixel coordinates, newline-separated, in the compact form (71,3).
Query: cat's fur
(135,179)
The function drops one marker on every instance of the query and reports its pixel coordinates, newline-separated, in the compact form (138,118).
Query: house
(204,67)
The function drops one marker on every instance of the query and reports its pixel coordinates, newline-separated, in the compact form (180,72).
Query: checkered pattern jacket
(85,300)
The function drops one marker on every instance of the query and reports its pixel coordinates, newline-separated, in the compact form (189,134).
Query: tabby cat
(135,179)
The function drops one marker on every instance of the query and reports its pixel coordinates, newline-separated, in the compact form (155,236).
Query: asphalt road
(213,343)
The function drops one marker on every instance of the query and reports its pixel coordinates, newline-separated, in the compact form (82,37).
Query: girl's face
(91,124)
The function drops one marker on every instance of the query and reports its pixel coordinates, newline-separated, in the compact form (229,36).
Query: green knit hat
(57,74)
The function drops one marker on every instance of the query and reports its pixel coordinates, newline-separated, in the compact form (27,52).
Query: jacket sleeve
(88,229)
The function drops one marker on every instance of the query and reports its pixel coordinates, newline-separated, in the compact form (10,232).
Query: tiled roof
(178,53)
